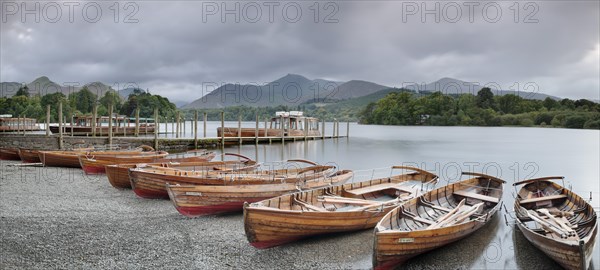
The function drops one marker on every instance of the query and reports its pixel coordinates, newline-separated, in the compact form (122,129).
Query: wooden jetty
(64,138)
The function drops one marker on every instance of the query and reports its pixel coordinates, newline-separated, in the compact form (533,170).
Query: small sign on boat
(406,240)
(193,193)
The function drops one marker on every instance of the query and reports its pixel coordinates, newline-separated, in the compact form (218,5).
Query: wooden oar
(545,224)
(456,217)
(452,212)
(557,221)
(331,199)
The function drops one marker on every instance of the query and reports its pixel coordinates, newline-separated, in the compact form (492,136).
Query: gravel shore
(61,218)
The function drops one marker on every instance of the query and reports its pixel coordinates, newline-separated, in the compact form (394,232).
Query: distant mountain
(98,88)
(290,90)
(454,86)
(43,86)
(356,88)
(124,93)
(8,89)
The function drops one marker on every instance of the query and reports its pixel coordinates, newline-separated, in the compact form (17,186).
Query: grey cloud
(172,51)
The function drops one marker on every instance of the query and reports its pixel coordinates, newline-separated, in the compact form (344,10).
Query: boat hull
(262,132)
(435,219)
(572,251)
(154,184)
(85,131)
(29,156)
(284,219)
(390,253)
(118,174)
(9,154)
(97,165)
(198,200)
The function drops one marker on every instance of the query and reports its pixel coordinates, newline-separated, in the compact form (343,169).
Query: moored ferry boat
(292,123)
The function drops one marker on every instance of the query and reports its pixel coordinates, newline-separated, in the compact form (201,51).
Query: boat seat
(309,206)
(545,198)
(380,187)
(476,196)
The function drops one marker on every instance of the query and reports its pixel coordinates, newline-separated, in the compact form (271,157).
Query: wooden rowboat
(9,154)
(96,165)
(71,158)
(435,219)
(118,174)
(349,207)
(150,182)
(199,200)
(557,221)
(29,155)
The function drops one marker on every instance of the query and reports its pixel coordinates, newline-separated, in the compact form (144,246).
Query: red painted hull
(206,210)
(94,169)
(389,264)
(150,194)
(9,154)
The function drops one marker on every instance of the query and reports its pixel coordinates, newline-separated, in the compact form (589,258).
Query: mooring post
(24,123)
(177,124)
(305,129)
(348,129)
(94,119)
(256,131)
(48,120)
(239,133)
(137,121)
(110,123)
(156,128)
(204,123)
(222,130)
(172,126)
(195,129)
(282,130)
(266,128)
(60,128)
(323,129)
(71,123)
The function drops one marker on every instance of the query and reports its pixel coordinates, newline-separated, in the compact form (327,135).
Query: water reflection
(509,153)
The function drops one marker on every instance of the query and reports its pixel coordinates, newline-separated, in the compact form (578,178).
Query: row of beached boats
(299,198)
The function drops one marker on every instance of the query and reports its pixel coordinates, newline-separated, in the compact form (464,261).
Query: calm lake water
(511,153)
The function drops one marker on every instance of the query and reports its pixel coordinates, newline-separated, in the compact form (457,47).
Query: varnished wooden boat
(557,221)
(199,200)
(435,219)
(96,165)
(118,174)
(9,154)
(349,207)
(149,182)
(71,158)
(29,155)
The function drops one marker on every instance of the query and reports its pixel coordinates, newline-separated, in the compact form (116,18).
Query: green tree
(23,91)
(111,97)
(509,103)
(485,98)
(84,100)
(550,103)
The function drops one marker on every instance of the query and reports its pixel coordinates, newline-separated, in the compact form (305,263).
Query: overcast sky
(173,48)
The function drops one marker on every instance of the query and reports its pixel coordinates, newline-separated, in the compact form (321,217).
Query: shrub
(575,121)
(592,124)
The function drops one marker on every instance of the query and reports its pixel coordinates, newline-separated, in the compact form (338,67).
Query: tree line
(82,103)
(483,109)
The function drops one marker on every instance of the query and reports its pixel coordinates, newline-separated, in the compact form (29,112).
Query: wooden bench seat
(545,198)
(476,196)
(380,187)
(309,206)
